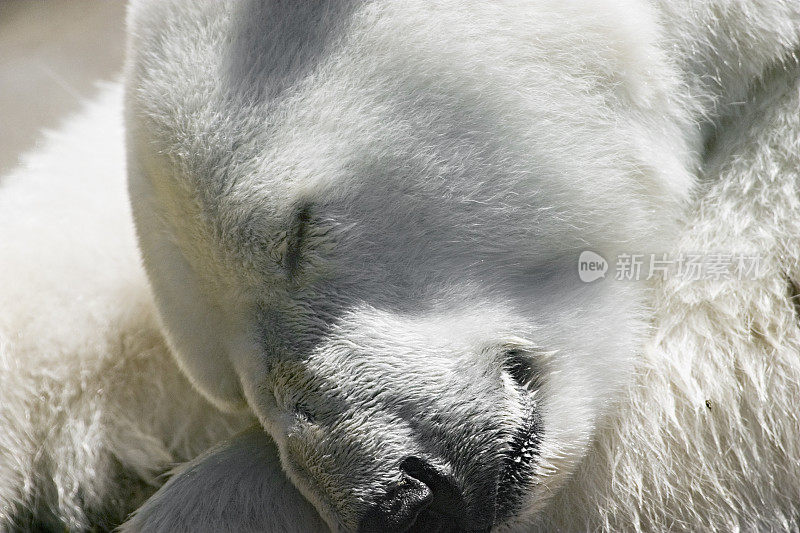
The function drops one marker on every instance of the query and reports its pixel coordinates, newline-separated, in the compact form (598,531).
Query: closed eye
(301,249)
(297,236)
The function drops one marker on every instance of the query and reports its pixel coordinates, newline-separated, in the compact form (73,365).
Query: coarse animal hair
(359,225)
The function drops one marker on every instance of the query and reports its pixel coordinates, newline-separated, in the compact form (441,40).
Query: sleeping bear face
(365,227)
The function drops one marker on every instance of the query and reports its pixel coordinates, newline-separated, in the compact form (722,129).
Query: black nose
(447,498)
(398,508)
(424,490)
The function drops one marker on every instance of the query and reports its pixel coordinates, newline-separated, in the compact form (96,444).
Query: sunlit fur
(349,212)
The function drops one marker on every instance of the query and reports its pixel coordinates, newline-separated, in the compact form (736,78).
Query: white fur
(92,407)
(451,163)
(236,486)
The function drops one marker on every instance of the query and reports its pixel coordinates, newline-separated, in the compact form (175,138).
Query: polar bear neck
(724,47)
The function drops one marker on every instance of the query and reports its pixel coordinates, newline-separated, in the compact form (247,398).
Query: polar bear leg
(236,486)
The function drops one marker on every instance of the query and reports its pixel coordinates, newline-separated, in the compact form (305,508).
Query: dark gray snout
(426,499)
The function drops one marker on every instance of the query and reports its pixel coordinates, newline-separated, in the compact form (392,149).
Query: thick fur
(238,485)
(352,213)
(92,407)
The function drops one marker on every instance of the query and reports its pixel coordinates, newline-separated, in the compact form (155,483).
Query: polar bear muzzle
(426,499)
(395,422)
(429,499)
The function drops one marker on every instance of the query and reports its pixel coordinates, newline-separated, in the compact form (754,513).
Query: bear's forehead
(402,143)
(283,78)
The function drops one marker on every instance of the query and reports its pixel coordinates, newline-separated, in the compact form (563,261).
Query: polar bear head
(362,221)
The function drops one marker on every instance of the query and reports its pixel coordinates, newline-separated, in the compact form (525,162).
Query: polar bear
(361,224)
